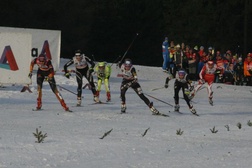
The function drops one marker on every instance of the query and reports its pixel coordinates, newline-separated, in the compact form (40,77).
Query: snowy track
(74,138)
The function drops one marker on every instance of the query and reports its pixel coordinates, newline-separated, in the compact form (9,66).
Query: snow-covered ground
(73,139)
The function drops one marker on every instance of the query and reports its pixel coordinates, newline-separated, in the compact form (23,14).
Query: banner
(43,41)
(20,46)
(15,58)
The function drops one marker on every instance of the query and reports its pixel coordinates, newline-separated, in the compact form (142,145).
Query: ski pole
(93,57)
(122,57)
(115,60)
(158,88)
(159,100)
(129,47)
(67,90)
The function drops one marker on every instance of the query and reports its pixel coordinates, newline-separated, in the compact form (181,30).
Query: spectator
(166,58)
(192,64)
(210,54)
(172,51)
(201,59)
(228,76)
(239,72)
(178,59)
(248,69)
(220,68)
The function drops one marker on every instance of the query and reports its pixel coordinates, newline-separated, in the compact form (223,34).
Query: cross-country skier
(103,71)
(81,63)
(130,81)
(181,82)
(45,72)
(207,74)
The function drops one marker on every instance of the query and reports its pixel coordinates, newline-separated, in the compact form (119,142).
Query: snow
(73,139)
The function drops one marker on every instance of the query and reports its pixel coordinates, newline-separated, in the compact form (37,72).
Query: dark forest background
(104,29)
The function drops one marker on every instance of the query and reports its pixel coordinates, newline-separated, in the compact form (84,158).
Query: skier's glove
(30,75)
(191,88)
(47,78)
(187,92)
(67,75)
(166,82)
(118,63)
(202,81)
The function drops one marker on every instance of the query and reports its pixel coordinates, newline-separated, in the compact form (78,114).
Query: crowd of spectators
(231,68)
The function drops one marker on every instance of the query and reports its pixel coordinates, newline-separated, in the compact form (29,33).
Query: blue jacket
(165,46)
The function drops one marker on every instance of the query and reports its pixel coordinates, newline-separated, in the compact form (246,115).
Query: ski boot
(211,99)
(96,99)
(193,111)
(153,109)
(96,96)
(123,108)
(39,104)
(108,97)
(176,108)
(63,104)
(78,101)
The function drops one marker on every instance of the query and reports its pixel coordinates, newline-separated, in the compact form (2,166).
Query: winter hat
(77,52)
(249,55)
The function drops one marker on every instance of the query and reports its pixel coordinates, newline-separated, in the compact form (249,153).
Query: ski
(183,113)
(36,109)
(176,112)
(68,110)
(100,102)
(43,109)
(195,114)
(77,105)
(161,114)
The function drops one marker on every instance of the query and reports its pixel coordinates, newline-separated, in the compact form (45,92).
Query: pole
(122,57)
(159,100)
(158,88)
(67,90)
(115,60)
(129,47)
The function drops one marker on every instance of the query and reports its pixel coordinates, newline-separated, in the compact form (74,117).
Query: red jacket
(208,74)
(247,67)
